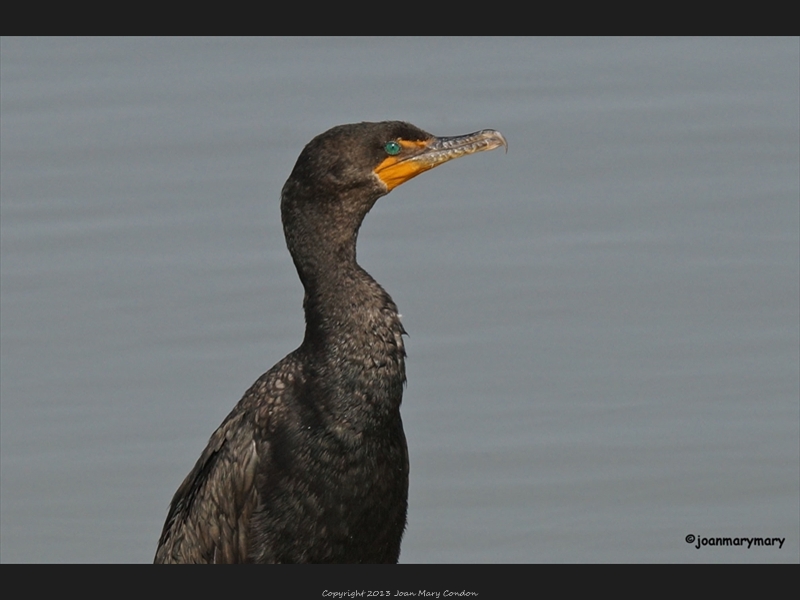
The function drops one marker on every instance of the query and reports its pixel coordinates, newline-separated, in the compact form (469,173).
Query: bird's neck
(345,307)
(354,347)
(353,334)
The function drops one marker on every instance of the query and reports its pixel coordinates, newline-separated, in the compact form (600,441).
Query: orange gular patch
(409,163)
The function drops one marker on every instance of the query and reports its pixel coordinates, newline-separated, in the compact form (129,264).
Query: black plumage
(312,465)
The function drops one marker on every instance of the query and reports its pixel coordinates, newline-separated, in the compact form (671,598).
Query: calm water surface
(604,323)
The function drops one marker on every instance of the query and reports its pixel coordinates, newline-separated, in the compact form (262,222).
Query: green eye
(392,148)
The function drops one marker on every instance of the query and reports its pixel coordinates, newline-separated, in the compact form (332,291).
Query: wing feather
(209,517)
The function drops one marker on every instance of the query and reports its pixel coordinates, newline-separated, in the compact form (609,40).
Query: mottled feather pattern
(312,465)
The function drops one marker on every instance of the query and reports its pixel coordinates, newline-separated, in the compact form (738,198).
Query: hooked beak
(418,156)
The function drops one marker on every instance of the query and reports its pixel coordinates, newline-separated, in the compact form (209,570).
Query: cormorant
(311,466)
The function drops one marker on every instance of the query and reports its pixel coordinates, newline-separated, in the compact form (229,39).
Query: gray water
(604,323)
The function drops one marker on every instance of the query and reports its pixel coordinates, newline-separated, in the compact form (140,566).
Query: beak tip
(501,139)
